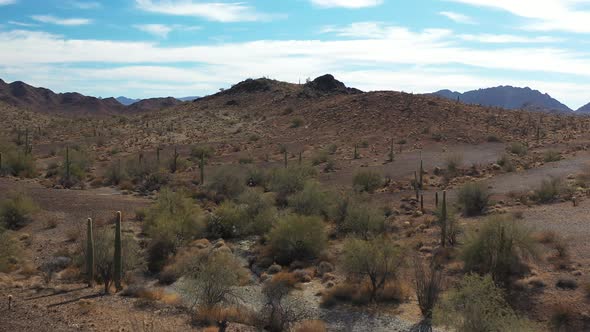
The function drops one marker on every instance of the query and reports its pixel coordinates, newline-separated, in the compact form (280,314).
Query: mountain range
(129,101)
(508,97)
(22,95)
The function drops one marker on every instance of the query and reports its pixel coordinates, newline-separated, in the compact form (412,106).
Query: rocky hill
(508,97)
(25,96)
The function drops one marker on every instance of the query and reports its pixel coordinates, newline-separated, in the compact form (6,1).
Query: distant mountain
(153,104)
(584,109)
(127,101)
(22,95)
(508,97)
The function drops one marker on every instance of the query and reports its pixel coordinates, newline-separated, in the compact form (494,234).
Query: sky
(152,48)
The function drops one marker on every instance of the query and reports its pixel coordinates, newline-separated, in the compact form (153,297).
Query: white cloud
(23,24)
(509,39)
(61,21)
(158,30)
(7,2)
(162,30)
(543,15)
(85,4)
(421,55)
(347,3)
(213,11)
(458,18)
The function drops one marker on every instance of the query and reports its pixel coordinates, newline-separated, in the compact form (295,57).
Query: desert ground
(294,154)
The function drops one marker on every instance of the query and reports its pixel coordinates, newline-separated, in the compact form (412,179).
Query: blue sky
(146,48)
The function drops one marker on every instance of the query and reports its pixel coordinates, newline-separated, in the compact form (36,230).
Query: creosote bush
(252,213)
(362,219)
(518,149)
(477,304)
(172,221)
(548,191)
(312,200)
(473,198)
(551,156)
(16,210)
(296,237)
(367,181)
(226,183)
(499,249)
(287,181)
(10,250)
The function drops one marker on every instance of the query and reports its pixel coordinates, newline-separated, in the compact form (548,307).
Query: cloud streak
(458,18)
(50,19)
(350,4)
(213,11)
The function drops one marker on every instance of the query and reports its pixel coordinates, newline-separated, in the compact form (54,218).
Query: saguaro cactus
(391,153)
(421,184)
(443,220)
(286,158)
(89,253)
(202,168)
(118,259)
(68,162)
(356,152)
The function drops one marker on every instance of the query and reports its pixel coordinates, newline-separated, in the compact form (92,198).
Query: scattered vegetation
(548,191)
(518,149)
(16,210)
(499,249)
(473,198)
(477,304)
(297,238)
(367,181)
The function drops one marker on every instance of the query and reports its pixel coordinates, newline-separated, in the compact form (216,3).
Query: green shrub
(312,200)
(202,151)
(499,248)
(253,213)
(15,211)
(368,181)
(10,250)
(363,220)
(548,191)
(296,123)
(256,176)
(227,183)
(453,163)
(16,162)
(551,156)
(332,148)
(493,139)
(319,157)
(473,198)
(297,238)
(76,163)
(286,181)
(174,216)
(115,173)
(518,148)
(477,304)
(506,163)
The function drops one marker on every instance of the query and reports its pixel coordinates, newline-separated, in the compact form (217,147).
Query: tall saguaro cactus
(68,162)
(118,259)
(202,168)
(391,153)
(89,253)
(286,158)
(443,220)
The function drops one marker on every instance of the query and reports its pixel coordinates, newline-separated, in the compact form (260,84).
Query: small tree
(227,183)
(104,254)
(479,305)
(312,200)
(376,260)
(280,310)
(211,278)
(363,220)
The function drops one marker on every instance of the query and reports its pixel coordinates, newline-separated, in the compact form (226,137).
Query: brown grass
(311,326)
(210,316)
